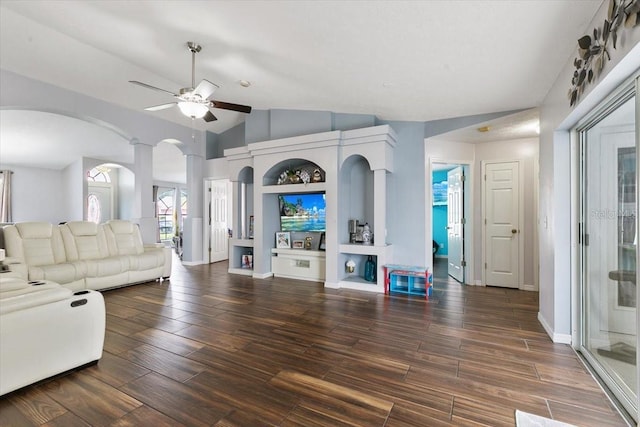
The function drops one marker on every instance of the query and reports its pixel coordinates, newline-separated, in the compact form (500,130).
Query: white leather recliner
(45,330)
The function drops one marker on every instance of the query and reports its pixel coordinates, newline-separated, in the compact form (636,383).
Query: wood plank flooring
(211,349)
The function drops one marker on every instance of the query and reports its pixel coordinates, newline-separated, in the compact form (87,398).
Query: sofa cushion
(62,273)
(84,240)
(34,243)
(123,238)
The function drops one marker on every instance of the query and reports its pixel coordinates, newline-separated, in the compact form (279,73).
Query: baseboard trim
(262,275)
(556,338)
(192,263)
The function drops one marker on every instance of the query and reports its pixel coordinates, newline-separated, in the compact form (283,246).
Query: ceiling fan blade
(135,82)
(161,107)
(205,89)
(233,107)
(209,117)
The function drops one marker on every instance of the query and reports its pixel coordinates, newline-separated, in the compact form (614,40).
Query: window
(164,211)
(100,193)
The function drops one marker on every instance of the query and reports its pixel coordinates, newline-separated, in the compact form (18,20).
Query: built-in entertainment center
(309,191)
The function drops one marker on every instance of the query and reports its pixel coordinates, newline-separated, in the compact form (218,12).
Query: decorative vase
(370,269)
(366,234)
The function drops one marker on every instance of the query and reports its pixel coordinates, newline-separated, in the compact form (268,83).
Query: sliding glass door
(608,238)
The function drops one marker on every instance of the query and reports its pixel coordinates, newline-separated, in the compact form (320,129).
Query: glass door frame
(625,92)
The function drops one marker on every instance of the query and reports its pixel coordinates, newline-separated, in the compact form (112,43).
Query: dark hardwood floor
(211,349)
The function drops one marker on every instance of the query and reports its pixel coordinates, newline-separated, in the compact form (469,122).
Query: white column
(193,224)
(235,225)
(143,204)
(380,207)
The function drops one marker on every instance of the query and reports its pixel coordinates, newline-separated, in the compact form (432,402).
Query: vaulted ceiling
(398,60)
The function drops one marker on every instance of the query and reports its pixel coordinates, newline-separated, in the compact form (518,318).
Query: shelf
(363,249)
(299,252)
(312,187)
(357,279)
(358,283)
(241,271)
(244,243)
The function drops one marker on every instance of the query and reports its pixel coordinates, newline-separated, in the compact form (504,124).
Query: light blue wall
(229,139)
(288,123)
(406,187)
(406,226)
(440,218)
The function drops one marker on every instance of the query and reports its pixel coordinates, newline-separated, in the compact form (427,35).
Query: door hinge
(485,176)
(463,263)
(485,221)
(463,178)
(485,265)
(463,220)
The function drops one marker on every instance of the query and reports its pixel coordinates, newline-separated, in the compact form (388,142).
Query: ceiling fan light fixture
(193,109)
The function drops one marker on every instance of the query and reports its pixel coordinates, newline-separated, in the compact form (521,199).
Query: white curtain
(5,196)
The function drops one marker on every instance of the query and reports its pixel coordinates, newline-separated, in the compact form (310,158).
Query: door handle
(514,231)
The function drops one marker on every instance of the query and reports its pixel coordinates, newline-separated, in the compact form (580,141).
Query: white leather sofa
(45,330)
(83,255)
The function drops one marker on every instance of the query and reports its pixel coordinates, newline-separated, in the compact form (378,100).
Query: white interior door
(502,224)
(455,223)
(218,218)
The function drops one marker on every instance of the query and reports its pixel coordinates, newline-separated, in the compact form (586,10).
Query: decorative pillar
(380,207)
(193,224)
(143,203)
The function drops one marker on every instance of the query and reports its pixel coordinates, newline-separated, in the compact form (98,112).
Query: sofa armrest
(16,268)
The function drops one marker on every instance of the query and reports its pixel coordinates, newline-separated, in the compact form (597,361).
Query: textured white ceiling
(398,60)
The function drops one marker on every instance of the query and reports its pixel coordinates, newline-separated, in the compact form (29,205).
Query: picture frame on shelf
(283,240)
(322,246)
(247,261)
(298,244)
(251,227)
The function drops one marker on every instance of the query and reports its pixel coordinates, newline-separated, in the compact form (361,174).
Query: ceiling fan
(194,101)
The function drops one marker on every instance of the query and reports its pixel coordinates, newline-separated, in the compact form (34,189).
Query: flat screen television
(303,212)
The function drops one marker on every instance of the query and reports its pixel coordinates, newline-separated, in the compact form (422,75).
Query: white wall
(525,150)
(55,196)
(126,191)
(36,194)
(556,119)
(74,190)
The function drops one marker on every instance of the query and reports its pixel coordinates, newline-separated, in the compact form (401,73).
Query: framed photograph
(251,227)
(247,261)
(283,239)
(298,244)
(322,245)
